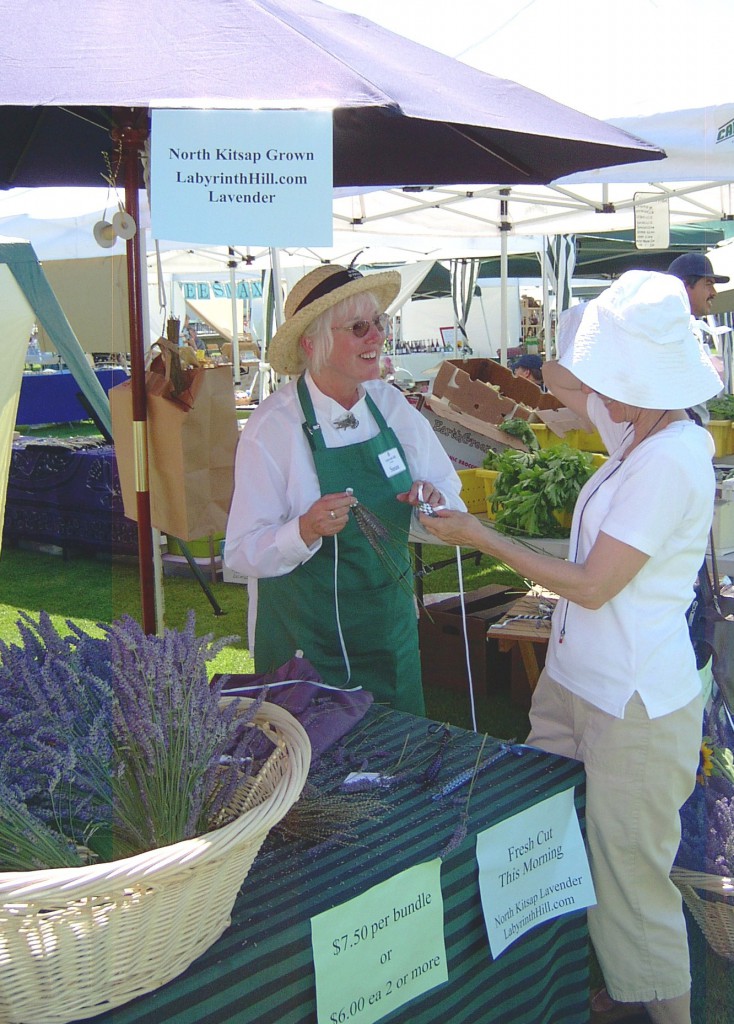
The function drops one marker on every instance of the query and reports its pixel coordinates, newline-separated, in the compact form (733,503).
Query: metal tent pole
(505,226)
(236,372)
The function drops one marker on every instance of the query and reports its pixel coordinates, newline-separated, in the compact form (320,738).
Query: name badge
(392,462)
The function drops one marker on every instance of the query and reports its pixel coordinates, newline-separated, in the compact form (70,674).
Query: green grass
(88,590)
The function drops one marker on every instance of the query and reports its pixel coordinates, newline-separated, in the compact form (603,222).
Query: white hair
(319,332)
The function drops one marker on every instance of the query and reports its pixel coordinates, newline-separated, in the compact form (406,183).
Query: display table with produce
(532,494)
(261,971)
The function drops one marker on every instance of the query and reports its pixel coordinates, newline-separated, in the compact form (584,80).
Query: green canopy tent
(609,254)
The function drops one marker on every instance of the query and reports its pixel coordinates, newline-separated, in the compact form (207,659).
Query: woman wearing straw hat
(336,436)
(620,690)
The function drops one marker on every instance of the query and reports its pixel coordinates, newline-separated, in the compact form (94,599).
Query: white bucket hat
(636,344)
(318,291)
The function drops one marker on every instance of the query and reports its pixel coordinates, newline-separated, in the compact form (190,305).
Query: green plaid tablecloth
(261,970)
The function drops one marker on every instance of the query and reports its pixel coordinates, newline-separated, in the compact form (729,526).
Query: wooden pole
(131,135)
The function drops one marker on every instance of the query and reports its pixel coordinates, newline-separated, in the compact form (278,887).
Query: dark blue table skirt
(52,397)
(67,493)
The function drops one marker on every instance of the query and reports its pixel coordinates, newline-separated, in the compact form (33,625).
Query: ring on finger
(332,514)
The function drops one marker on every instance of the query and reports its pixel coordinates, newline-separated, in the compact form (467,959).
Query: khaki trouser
(639,773)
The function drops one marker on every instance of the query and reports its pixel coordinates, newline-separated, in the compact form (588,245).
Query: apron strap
(310,424)
(379,418)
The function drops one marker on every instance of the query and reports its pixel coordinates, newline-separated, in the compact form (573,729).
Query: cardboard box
(465,439)
(441,638)
(474,398)
(516,391)
(232,576)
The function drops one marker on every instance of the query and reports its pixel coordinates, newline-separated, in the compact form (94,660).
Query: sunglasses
(360,328)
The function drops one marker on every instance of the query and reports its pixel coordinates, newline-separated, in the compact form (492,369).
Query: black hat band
(337,280)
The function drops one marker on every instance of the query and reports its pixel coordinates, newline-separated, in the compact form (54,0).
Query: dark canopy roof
(70,72)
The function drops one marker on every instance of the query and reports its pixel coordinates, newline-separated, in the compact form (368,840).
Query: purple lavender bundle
(113,745)
(707,817)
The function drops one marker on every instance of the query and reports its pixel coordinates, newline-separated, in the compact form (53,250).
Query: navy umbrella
(403,114)
(78,80)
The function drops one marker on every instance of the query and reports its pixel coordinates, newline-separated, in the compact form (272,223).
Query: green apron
(346,587)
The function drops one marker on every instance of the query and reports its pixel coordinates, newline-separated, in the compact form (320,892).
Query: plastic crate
(488,478)
(547,438)
(584,441)
(472,490)
(588,441)
(564,518)
(722,432)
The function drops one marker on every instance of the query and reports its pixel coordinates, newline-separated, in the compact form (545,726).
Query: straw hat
(318,291)
(636,344)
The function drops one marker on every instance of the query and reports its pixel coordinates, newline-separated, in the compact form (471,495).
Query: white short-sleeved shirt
(660,501)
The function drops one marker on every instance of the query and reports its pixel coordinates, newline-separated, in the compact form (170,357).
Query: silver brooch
(345,421)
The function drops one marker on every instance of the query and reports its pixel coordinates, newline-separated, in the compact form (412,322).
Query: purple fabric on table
(325,713)
(66,491)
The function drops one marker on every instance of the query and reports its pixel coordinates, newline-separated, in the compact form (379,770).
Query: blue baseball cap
(528,362)
(694,264)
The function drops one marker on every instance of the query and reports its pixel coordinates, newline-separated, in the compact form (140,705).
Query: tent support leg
(194,566)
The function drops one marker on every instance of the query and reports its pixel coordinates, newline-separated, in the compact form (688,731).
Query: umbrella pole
(131,140)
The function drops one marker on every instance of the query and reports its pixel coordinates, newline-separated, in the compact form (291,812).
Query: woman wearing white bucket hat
(315,581)
(620,690)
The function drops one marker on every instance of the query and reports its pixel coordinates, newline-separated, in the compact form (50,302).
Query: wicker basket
(75,942)
(714,910)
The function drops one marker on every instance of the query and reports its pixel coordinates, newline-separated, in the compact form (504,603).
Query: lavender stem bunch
(116,745)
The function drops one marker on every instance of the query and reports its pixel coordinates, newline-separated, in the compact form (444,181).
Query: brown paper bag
(191,448)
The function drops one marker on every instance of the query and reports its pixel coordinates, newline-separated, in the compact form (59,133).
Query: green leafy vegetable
(522,430)
(721,407)
(518,428)
(533,486)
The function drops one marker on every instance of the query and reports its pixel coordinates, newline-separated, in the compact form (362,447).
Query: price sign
(652,221)
(532,867)
(381,949)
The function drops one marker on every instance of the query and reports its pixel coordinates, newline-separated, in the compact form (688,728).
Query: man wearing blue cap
(695,271)
(530,367)
(698,277)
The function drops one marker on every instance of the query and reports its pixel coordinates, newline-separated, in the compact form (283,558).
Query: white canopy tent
(696,179)
(695,182)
